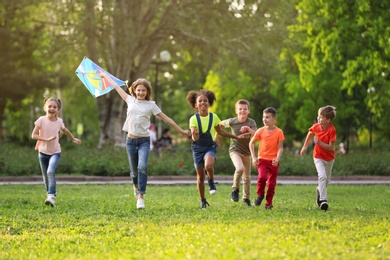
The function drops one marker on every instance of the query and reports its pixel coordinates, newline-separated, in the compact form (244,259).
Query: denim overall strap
(200,124)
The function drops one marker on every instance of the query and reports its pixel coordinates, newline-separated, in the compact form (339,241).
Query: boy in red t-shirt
(324,151)
(267,160)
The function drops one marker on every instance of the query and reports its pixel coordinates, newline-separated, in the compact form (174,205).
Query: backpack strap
(200,124)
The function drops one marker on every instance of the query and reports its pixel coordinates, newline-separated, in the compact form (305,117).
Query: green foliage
(336,55)
(101,222)
(87,160)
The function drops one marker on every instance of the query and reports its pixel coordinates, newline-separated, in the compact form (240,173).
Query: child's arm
(276,161)
(69,134)
(35,135)
(118,89)
(219,130)
(304,147)
(172,123)
(194,134)
(330,146)
(247,130)
(255,160)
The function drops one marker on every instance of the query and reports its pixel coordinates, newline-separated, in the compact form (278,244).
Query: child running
(324,151)
(47,133)
(239,149)
(203,126)
(268,157)
(140,107)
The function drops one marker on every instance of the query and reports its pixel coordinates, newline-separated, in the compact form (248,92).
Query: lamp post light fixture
(371,90)
(165,57)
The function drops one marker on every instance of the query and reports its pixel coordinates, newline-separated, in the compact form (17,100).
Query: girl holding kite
(46,132)
(140,107)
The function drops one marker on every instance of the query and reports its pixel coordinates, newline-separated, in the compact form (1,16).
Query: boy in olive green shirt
(239,149)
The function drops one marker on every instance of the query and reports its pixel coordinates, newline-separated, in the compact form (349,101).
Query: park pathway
(191,180)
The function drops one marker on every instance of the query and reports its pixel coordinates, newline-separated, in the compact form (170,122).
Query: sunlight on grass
(101,222)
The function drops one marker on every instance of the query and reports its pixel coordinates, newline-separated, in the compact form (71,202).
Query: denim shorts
(199,153)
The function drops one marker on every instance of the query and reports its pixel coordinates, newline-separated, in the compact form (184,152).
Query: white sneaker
(51,200)
(140,204)
(135,192)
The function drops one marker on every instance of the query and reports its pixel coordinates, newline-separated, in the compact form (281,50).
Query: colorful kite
(88,74)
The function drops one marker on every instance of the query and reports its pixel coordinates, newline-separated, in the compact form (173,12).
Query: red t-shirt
(326,136)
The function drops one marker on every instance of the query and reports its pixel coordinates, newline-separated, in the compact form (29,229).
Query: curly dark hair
(193,95)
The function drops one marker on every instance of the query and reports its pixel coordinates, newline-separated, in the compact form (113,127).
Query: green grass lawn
(102,222)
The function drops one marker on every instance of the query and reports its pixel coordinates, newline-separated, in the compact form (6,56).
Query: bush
(112,161)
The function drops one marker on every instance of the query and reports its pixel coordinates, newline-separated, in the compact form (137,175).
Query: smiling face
(202,104)
(242,111)
(51,108)
(141,92)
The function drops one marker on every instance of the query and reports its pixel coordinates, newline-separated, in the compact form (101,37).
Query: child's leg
(272,176)
(200,177)
(247,176)
(328,169)
(132,156)
(261,178)
(209,165)
(239,169)
(143,157)
(322,178)
(44,163)
(51,173)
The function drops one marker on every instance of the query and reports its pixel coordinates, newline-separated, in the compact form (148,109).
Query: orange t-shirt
(326,136)
(269,142)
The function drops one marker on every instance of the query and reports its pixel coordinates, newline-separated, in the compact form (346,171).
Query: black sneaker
(213,189)
(318,197)
(268,207)
(258,200)
(248,202)
(324,205)
(235,194)
(204,204)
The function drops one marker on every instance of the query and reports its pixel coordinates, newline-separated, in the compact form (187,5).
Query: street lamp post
(165,57)
(371,90)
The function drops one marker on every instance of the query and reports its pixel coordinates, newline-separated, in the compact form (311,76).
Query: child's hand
(255,161)
(187,133)
(316,139)
(101,74)
(303,150)
(275,162)
(51,138)
(242,136)
(77,141)
(244,129)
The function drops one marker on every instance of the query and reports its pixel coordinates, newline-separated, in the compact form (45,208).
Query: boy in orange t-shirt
(267,160)
(324,150)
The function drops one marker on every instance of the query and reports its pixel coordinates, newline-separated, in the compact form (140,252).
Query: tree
(19,62)
(336,52)
(206,29)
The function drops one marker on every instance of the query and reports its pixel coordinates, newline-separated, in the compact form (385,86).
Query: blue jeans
(138,150)
(48,165)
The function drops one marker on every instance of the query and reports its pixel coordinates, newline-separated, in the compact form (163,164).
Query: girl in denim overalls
(203,126)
